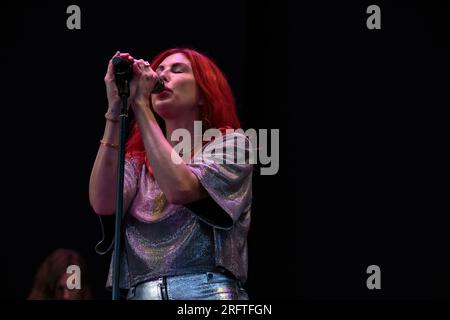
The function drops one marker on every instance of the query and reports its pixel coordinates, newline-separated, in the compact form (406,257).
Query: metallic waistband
(195,286)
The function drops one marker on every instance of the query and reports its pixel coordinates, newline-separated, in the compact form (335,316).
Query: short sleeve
(224,170)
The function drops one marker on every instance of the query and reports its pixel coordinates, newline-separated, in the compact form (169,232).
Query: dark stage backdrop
(364,133)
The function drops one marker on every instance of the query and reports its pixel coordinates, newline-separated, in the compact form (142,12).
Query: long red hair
(218,110)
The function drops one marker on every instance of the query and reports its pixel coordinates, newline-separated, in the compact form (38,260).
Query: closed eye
(178,68)
(175,68)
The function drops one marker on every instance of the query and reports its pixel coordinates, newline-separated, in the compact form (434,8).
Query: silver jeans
(200,286)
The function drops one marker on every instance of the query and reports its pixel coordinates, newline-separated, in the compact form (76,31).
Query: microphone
(159,85)
(123,71)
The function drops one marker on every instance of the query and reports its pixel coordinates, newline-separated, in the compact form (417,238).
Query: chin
(165,111)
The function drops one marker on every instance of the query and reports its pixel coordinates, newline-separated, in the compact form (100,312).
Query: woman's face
(182,94)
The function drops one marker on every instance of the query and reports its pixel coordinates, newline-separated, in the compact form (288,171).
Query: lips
(166,90)
(164,93)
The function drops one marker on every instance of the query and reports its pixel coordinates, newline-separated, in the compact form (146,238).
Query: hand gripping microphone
(123,71)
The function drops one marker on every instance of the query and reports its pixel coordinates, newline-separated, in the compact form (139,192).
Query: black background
(363,119)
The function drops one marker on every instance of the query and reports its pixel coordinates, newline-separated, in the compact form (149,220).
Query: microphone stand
(123,76)
(123,71)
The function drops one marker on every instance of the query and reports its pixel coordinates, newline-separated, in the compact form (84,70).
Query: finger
(126,56)
(150,74)
(115,55)
(137,69)
(110,70)
(141,64)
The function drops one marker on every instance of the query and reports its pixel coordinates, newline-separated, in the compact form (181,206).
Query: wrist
(108,144)
(112,116)
(142,102)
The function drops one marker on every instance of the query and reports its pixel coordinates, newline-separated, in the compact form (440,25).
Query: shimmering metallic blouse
(162,239)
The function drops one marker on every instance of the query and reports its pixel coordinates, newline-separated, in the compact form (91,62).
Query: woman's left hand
(142,84)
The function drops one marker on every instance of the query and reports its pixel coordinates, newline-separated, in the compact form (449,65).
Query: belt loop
(131,293)
(163,287)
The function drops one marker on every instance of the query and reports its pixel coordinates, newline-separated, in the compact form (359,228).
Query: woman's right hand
(110,83)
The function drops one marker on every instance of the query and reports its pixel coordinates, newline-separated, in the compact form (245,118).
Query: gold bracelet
(111,119)
(107,144)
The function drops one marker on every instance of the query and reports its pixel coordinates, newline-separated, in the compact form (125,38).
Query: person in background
(50,281)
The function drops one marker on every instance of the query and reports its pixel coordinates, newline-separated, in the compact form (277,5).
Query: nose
(164,75)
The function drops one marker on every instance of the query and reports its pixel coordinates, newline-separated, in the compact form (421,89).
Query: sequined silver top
(162,239)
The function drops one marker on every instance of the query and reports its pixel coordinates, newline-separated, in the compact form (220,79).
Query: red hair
(218,110)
